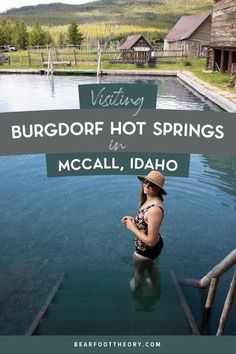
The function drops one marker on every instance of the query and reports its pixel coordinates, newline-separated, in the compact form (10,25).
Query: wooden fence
(86,56)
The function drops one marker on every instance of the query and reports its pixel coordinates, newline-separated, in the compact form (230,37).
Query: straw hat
(155,177)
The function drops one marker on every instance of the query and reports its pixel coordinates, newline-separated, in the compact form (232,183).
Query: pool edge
(217,97)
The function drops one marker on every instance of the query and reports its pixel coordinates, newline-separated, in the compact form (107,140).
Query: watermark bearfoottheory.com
(117,344)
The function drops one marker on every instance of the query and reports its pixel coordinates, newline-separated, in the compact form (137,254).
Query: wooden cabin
(222,49)
(189,36)
(136,49)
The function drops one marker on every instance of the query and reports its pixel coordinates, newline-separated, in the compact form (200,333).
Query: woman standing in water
(145,226)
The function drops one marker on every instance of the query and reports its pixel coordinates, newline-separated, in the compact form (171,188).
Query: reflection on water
(33,92)
(145,273)
(147,296)
(52,83)
(223,170)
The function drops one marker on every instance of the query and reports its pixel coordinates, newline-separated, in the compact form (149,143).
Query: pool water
(50,225)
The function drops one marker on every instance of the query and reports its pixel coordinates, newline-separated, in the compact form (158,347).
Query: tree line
(17,34)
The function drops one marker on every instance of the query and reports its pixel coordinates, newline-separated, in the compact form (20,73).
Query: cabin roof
(130,42)
(185,27)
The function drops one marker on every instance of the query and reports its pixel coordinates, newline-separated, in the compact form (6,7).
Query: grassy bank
(197,67)
(20,60)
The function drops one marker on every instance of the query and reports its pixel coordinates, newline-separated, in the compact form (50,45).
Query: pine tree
(6,32)
(20,35)
(74,36)
(38,36)
(61,39)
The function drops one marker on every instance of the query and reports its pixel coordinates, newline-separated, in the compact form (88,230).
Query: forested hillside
(109,19)
(161,13)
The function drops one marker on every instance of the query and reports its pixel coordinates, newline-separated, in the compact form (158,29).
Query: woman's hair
(143,196)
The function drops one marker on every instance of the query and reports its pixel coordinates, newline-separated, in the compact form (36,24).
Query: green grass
(20,60)
(217,79)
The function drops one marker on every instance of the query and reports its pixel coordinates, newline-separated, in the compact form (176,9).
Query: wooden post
(42,57)
(44,308)
(206,321)
(227,306)
(99,54)
(211,293)
(50,63)
(190,282)
(57,54)
(213,59)
(219,269)
(216,272)
(222,60)
(75,57)
(29,57)
(212,278)
(191,320)
(230,62)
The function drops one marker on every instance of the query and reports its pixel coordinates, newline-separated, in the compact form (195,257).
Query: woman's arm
(153,219)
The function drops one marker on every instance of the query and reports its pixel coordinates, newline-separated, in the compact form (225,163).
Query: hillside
(149,13)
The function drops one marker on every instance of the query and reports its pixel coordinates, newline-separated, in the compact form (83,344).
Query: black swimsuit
(140,247)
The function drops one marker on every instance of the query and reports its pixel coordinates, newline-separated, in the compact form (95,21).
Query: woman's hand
(128,221)
(125,218)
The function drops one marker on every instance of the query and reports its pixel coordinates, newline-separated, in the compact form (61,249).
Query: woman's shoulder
(156,207)
(153,206)
(156,212)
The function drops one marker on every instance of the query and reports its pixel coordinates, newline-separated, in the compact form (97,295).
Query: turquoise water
(51,225)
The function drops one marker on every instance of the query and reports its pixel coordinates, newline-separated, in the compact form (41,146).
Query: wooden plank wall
(223,32)
(203,33)
(185,48)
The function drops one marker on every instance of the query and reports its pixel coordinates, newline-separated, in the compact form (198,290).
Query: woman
(145,226)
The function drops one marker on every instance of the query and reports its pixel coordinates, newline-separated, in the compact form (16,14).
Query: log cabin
(136,49)
(221,54)
(189,35)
